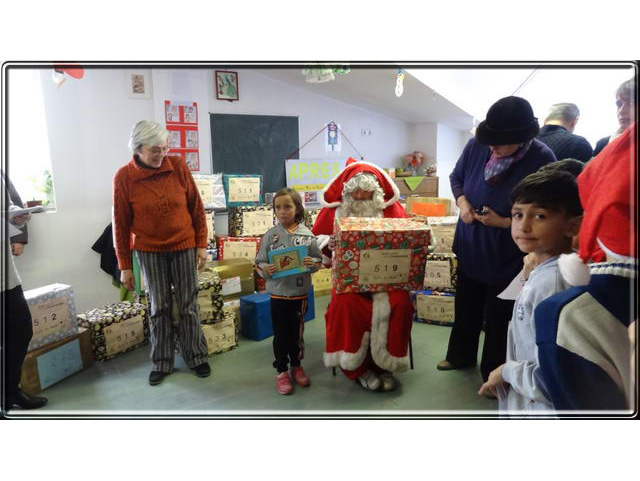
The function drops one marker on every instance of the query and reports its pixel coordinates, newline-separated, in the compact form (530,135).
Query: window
(29,159)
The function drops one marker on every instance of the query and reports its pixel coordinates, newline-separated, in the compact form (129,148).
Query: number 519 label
(384,266)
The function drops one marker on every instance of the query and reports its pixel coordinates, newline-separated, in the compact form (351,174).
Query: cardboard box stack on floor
(247,224)
(210,302)
(436,303)
(58,347)
(219,324)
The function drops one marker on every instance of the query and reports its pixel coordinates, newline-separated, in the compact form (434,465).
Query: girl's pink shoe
(300,376)
(283,383)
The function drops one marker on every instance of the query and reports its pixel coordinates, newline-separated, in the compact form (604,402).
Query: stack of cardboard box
(58,348)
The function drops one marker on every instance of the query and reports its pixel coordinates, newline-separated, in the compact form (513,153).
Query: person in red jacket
(367,335)
(158,213)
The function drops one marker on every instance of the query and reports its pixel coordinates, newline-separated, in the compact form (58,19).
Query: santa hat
(332,192)
(605,188)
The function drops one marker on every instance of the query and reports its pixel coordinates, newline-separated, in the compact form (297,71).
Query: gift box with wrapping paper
(53,314)
(443,230)
(116,328)
(251,221)
(233,307)
(440,272)
(221,336)
(210,302)
(242,189)
(431,307)
(238,248)
(379,254)
(211,190)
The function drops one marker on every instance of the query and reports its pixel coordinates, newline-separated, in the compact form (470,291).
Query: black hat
(509,121)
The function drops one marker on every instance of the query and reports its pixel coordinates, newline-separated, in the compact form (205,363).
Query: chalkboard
(254,144)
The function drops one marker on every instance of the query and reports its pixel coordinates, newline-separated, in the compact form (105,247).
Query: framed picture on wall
(138,84)
(227,85)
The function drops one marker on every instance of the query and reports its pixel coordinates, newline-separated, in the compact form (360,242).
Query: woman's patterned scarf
(496,167)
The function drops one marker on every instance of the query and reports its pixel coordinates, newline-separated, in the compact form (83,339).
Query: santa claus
(367,334)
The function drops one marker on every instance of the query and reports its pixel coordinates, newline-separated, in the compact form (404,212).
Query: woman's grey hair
(147,132)
(627,90)
(564,112)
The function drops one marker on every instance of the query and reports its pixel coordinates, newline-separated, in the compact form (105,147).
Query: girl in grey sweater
(288,293)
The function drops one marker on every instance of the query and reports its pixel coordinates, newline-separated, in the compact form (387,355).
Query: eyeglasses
(159,150)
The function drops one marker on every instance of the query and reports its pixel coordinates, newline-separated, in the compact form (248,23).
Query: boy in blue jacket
(546,214)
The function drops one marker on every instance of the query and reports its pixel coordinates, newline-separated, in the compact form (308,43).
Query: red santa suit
(368,331)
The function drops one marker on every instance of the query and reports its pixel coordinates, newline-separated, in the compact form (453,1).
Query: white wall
(449,145)
(262,95)
(89,121)
(424,138)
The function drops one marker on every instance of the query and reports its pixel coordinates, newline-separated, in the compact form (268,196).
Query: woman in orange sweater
(158,213)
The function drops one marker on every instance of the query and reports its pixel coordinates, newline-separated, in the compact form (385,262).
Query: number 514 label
(384,266)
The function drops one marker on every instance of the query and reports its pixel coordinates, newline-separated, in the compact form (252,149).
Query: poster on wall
(181,120)
(309,177)
(138,85)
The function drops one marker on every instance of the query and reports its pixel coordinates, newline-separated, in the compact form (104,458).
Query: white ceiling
(374,89)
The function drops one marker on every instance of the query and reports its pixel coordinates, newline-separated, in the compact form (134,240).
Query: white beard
(360,208)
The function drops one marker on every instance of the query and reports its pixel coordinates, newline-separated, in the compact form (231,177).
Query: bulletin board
(254,144)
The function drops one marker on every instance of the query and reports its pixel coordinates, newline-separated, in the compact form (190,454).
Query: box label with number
(434,309)
(53,314)
(221,336)
(321,280)
(240,250)
(384,266)
(256,223)
(437,274)
(205,188)
(244,189)
(123,335)
(49,316)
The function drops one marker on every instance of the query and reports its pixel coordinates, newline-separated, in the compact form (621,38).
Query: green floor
(242,382)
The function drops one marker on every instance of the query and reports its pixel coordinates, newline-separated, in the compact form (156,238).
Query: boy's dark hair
(552,189)
(297,201)
(573,166)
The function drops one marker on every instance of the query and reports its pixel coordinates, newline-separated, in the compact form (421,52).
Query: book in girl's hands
(288,261)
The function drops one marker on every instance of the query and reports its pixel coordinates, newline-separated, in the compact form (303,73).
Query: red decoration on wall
(182,123)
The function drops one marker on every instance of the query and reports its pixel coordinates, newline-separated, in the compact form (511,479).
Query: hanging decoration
(317,73)
(399,82)
(61,70)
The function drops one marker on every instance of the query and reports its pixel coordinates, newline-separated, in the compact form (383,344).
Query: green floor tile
(243,380)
